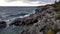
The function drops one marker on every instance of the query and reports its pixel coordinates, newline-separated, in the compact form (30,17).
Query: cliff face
(41,22)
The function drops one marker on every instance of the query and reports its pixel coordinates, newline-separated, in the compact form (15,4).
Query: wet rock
(25,32)
(23,21)
(18,22)
(2,24)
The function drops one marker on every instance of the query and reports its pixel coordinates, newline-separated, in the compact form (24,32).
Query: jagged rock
(2,24)
(18,22)
(42,20)
(58,23)
(25,21)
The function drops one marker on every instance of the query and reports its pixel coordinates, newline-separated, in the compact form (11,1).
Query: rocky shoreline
(41,22)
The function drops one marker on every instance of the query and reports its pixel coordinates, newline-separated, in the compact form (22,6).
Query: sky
(25,2)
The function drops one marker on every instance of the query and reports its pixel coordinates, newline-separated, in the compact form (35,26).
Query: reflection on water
(12,30)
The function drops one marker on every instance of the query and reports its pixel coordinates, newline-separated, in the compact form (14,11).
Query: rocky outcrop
(41,22)
(25,21)
(34,18)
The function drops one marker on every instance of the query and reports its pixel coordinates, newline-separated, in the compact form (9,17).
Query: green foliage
(53,31)
(55,28)
(57,7)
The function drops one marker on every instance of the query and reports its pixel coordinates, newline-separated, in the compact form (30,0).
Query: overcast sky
(25,2)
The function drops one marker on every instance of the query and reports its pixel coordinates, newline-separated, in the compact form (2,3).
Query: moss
(50,31)
(53,31)
(57,17)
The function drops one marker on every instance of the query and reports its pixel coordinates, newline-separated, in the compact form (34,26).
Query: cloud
(22,2)
(32,0)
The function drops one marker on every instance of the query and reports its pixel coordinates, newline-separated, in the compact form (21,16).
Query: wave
(10,18)
(21,15)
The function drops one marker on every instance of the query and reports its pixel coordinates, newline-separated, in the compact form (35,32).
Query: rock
(58,23)
(18,22)
(2,24)
(41,21)
(25,21)
(58,32)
